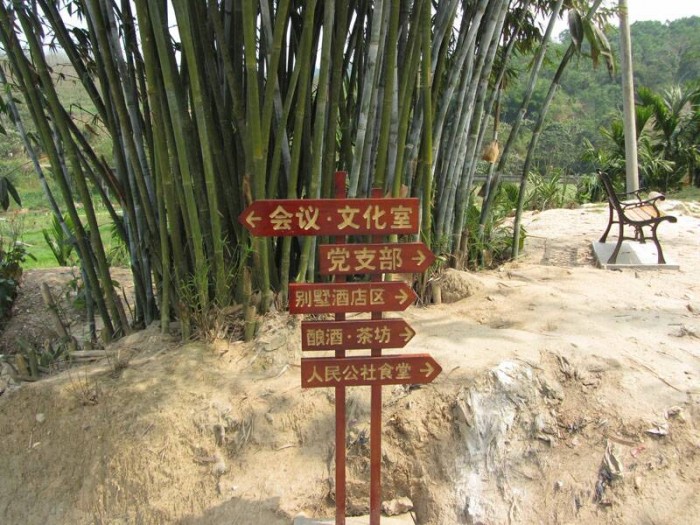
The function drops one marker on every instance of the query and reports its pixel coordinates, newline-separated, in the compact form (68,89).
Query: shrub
(12,254)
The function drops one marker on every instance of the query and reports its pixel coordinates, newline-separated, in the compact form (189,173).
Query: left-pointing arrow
(252,219)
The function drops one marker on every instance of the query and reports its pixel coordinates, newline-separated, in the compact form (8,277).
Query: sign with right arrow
(414,369)
(355,335)
(325,298)
(350,259)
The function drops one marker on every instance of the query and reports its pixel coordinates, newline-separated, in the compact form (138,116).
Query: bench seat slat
(641,213)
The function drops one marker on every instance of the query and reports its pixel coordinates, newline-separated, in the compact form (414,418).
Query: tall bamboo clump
(211,105)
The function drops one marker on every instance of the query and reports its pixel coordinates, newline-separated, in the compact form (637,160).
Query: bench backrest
(610,190)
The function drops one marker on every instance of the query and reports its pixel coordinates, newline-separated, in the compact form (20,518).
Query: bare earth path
(569,394)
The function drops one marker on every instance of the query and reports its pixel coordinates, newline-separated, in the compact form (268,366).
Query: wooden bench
(635,212)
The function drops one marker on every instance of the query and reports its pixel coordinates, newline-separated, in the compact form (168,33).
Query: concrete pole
(628,100)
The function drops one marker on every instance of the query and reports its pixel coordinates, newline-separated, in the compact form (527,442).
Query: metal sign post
(340,217)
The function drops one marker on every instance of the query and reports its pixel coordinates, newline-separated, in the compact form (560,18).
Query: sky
(661,10)
(640,10)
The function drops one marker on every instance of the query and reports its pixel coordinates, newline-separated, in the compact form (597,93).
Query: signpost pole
(375,426)
(375,446)
(339,182)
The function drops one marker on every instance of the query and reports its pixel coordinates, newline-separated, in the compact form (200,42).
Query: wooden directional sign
(318,372)
(285,217)
(321,298)
(354,335)
(349,259)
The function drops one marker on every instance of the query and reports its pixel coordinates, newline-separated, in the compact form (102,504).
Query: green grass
(28,225)
(688,193)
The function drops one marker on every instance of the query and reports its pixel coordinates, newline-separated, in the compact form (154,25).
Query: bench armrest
(635,193)
(654,196)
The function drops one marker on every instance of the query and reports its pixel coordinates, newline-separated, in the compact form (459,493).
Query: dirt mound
(455,285)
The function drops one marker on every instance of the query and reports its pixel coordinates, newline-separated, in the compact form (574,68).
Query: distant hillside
(664,54)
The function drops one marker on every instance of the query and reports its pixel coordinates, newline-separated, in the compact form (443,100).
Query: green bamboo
(125,110)
(173,266)
(411,62)
(142,288)
(33,155)
(58,25)
(387,103)
(126,123)
(306,263)
(35,105)
(272,98)
(492,184)
(73,157)
(403,96)
(427,144)
(495,18)
(256,145)
(304,68)
(208,139)
(369,83)
(182,131)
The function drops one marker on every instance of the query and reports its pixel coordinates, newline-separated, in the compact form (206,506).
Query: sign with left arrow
(324,298)
(293,217)
(416,369)
(355,335)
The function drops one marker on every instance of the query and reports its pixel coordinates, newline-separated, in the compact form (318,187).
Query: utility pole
(628,100)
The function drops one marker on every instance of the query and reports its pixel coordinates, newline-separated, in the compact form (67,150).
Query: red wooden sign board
(349,259)
(285,217)
(321,298)
(355,335)
(319,372)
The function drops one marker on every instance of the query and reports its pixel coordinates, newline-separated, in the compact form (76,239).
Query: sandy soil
(569,394)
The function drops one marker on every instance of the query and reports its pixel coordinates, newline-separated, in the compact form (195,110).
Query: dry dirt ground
(569,394)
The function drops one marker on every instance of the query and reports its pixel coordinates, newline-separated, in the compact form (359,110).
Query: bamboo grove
(213,104)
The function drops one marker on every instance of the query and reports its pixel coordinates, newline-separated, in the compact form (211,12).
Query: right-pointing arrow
(419,258)
(427,369)
(407,334)
(402,296)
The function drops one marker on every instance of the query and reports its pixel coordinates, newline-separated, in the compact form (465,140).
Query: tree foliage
(668,138)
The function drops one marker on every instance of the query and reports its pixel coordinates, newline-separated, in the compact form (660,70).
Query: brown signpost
(341,217)
(351,259)
(355,335)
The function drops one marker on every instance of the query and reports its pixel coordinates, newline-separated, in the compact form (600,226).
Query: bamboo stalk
(427,144)
(97,248)
(23,70)
(209,144)
(182,133)
(299,118)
